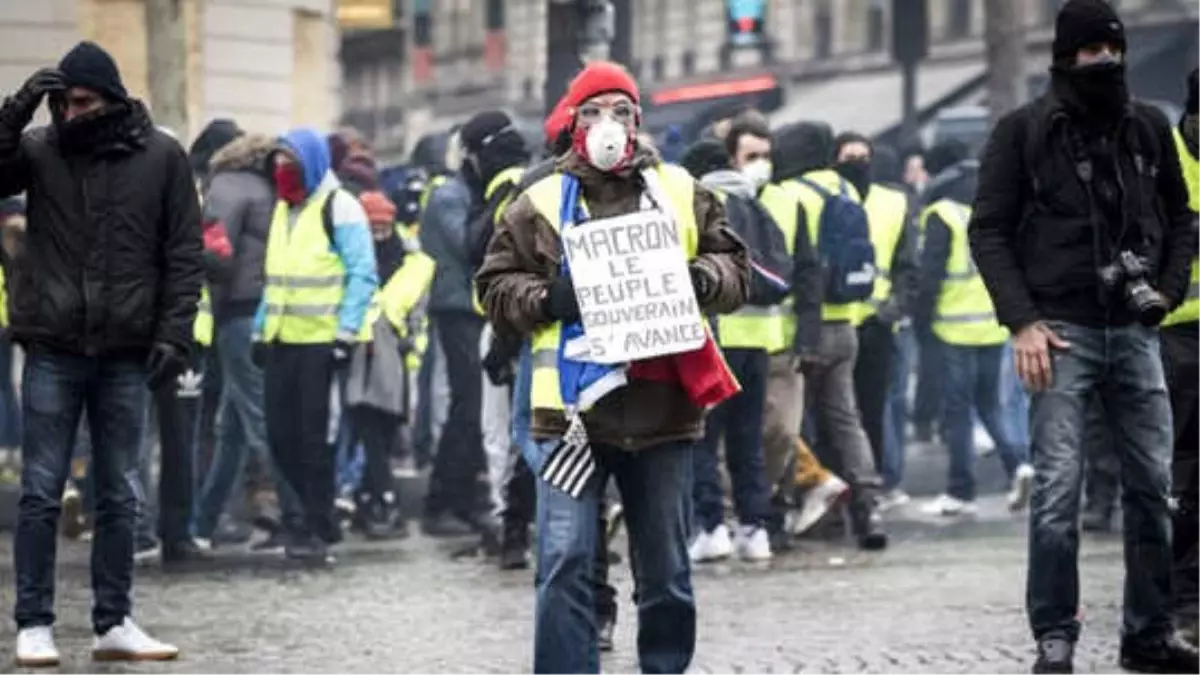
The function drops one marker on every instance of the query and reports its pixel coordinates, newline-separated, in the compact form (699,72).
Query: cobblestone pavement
(946,597)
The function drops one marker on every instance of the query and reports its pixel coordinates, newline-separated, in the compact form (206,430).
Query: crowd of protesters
(292,330)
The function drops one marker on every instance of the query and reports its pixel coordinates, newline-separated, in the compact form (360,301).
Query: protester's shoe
(185,552)
(231,532)
(72,520)
(817,501)
(127,642)
(948,506)
(605,629)
(35,647)
(753,543)
(867,525)
(1096,519)
(147,552)
(310,551)
(383,520)
(444,525)
(1055,655)
(893,499)
(711,546)
(1167,655)
(514,547)
(1022,488)
(273,544)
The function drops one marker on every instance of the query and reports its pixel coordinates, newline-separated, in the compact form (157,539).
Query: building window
(959,25)
(495,15)
(658,68)
(875,27)
(688,62)
(527,88)
(823,32)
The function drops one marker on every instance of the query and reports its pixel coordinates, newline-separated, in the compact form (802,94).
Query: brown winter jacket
(523,259)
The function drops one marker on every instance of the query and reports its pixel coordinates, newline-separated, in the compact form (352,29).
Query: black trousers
(378,432)
(459,466)
(872,370)
(297,389)
(1182,366)
(179,406)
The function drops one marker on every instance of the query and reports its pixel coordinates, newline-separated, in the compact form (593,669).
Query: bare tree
(166,50)
(1004,39)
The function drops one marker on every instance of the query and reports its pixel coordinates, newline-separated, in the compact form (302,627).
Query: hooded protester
(1082,233)
(825,345)
(240,200)
(215,135)
(641,433)
(320,278)
(103,301)
(352,161)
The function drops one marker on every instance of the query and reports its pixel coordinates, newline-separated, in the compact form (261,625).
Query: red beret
(600,77)
(559,119)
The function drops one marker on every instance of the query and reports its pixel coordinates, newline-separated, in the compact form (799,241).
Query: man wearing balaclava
(1180,351)
(103,301)
(1082,233)
(636,424)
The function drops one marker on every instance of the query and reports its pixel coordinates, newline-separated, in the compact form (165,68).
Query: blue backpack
(844,244)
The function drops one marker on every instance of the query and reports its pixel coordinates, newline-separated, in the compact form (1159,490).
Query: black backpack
(770,262)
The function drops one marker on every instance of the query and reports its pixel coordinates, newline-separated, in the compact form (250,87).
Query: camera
(1128,273)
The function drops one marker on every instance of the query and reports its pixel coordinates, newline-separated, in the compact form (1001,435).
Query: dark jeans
(378,432)
(972,385)
(872,373)
(927,407)
(423,425)
(656,489)
(179,406)
(896,411)
(1180,361)
(298,383)
(56,390)
(1102,467)
(459,465)
(10,409)
(739,421)
(1124,366)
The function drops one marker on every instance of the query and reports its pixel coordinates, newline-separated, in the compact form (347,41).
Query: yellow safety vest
(3,300)
(887,210)
(814,204)
(546,196)
(434,183)
(964,315)
(512,175)
(305,277)
(202,327)
(1189,311)
(782,205)
(401,294)
(751,327)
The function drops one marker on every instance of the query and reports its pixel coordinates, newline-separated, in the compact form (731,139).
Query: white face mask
(607,142)
(758,172)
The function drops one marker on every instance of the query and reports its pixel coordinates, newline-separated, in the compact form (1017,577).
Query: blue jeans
(972,385)
(56,389)
(895,411)
(1124,367)
(10,409)
(351,459)
(241,429)
(740,421)
(656,490)
(522,414)
(927,406)
(1013,397)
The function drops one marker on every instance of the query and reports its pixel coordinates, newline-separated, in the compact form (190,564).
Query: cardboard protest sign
(635,294)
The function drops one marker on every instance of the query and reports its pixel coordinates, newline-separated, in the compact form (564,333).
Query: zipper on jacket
(88,348)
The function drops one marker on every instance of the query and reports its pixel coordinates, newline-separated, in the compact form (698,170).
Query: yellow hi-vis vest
(964,315)
(546,196)
(202,327)
(782,205)
(751,327)
(512,175)
(305,277)
(401,294)
(1189,311)
(3,300)
(814,204)
(887,210)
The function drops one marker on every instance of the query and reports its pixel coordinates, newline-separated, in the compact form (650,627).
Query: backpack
(844,245)
(770,263)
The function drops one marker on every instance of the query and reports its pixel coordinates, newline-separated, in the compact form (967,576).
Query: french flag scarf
(703,373)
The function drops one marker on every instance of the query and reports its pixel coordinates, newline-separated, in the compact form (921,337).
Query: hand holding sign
(634,288)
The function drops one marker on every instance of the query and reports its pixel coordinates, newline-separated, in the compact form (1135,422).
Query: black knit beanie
(1085,22)
(87,65)
(705,157)
(215,135)
(480,129)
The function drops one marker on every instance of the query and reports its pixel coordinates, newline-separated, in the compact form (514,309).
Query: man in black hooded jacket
(1081,180)
(103,301)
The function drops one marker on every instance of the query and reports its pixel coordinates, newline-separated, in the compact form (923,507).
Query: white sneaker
(817,502)
(203,543)
(893,498)
(148,555)
(35,647)
(753,543)
(127,642)
(1022,488)
(945,505)
(711,546)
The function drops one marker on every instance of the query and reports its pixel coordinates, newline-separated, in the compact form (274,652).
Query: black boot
(362,512)
(184,552)
(1166,655)
(867,525)
(1055,655)
(605,628)
(383,519)
(514,546)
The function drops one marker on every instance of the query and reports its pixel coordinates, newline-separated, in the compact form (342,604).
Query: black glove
(702,283)
(560,303)
(20,107)
(806,363)
(498,362)
(164,364)
(342,351)
(258,354)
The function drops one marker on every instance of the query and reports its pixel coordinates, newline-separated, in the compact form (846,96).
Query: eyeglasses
(622,112)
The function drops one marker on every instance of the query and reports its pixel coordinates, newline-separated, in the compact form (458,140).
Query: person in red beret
(637,422)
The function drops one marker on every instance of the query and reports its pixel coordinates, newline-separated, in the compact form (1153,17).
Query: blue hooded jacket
(351,232)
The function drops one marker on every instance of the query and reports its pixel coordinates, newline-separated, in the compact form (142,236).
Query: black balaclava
(87,65)
(1096,91)
(494,143)
(857,171)
(1188,121)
